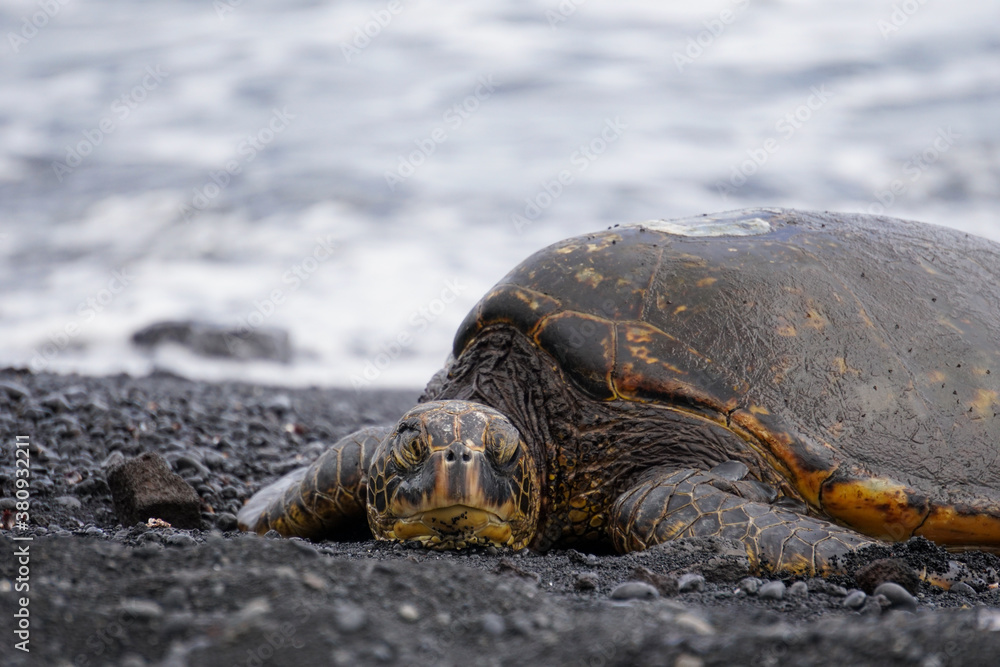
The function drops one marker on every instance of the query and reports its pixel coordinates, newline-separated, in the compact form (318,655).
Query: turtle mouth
(453,527)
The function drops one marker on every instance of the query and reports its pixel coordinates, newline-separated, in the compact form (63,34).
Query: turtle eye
(408,450)
(502,446)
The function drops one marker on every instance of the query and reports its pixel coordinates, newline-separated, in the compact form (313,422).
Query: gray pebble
(634,590)
(855,599)
(772,590)
(493,625)
(899,597)
(142,609)
(181,540)
(13,389)
(690,582)
(272,535)
(799,589)
(94,531)
(963,588)
(750,585)
(69,502)
(225,521)
(349,617)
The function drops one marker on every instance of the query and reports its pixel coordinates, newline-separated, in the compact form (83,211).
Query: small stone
(586,581)
(181,540)
(175,598)
(772,590)
(690,583)
(144,487)
(963,588)
(493,625)
(349,617)
(750,585)
(855,599)
(409,612)
(634,590)
(69,502)
(14,390)
(314,581)
(799,589)
(272,535)
(142,609)
(225,521)
(688,660)
(885,570)
(694,623)
(899,597)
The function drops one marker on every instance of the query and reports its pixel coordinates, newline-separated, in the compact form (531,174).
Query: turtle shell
(858,355)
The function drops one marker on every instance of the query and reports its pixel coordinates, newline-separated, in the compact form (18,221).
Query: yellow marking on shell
(961,526)
(578,502)
(867,320)
(589,276)
(948,322)
(528,299)
(815,319)
(786,330)
(937,376)
(840,366)
(836,430)
(984,402)
(706,282)
(876,506)
(679,309)
(566,250)
(759,410)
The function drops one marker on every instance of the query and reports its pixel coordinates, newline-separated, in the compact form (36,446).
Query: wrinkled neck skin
(587,452)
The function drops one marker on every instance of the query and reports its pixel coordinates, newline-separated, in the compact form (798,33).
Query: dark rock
(898,597)
(634,590)
(586,581)
(772,590)
(884,570)
(181,540)
(690,582)
(225,521)
(212,340)
(144,488)
(963,588)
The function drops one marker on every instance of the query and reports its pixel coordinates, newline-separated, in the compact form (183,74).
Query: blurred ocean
(360,173)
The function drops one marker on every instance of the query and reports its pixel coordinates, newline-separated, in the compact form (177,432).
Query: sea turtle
(805,383)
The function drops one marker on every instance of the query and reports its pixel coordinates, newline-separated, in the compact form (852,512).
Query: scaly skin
(669,504)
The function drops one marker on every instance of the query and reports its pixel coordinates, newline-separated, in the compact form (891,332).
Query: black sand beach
(100,593)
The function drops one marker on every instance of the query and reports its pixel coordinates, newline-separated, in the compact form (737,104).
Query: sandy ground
(99,593)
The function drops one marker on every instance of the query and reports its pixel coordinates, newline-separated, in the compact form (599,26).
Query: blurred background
(357,174)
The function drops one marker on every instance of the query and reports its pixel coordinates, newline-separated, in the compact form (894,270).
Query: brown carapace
(806,383)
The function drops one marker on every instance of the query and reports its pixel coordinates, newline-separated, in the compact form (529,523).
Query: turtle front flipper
(667,503)
(326,498)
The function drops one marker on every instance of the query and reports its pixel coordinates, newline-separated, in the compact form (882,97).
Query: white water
(164,95)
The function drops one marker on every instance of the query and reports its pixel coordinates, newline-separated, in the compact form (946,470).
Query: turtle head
(454,474)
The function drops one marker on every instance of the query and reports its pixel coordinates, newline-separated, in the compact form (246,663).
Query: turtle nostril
(458,452)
